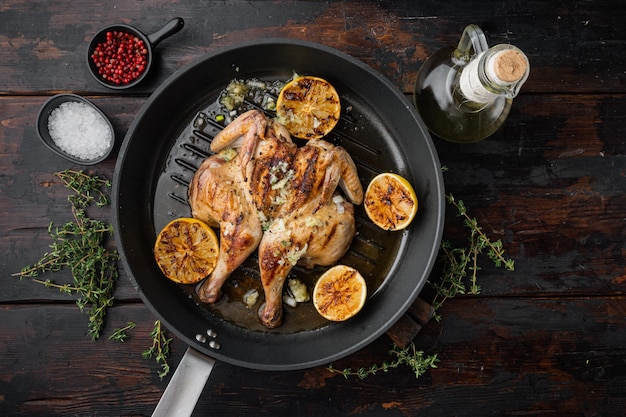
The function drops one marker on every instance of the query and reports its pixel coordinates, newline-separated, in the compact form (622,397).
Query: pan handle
(184,389)
(170,28)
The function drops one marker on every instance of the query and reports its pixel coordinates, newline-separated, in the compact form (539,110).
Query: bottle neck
(498,72)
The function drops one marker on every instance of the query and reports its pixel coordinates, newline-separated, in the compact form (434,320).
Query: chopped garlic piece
(250,298)
(228,154)
(312,221)
(294,255)
(298,290)
(338,200)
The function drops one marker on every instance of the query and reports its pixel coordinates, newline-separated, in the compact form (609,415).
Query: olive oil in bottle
(464,94)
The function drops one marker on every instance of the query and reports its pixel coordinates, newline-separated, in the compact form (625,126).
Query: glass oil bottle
(464,94)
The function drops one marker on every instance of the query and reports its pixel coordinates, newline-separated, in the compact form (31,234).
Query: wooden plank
(554,196)
(566,44)
(31,196)
(497,357)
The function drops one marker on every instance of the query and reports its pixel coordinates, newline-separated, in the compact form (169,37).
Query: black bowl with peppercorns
(120,56)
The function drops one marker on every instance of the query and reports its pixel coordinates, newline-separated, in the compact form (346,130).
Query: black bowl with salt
(74,128)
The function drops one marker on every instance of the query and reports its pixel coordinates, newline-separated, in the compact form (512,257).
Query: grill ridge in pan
(382,132)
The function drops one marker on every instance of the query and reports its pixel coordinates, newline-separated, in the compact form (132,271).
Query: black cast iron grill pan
(381,131)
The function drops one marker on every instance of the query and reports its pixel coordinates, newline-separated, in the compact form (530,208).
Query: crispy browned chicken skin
(278,197)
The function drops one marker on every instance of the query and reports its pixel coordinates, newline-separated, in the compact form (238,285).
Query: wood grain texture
(530,356)
(566,43)
(546,339)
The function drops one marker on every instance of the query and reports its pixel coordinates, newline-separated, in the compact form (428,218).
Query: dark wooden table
(548,339)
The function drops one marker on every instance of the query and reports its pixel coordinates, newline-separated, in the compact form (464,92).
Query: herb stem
(409,356)
(160,348)
(79,246)
(120,334)
(456,262)
(459,262)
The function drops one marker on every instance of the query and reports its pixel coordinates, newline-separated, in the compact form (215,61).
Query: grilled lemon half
(390,201)
(309,107)
(186,250)
(340,293)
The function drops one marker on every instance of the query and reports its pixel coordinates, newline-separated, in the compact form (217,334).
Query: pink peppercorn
(121,58)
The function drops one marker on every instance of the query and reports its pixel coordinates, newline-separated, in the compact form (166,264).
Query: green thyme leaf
(460,264)
(160,348)
(78,245)
(120,334)
(409,356)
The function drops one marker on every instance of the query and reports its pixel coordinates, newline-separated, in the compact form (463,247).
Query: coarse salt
(79,130)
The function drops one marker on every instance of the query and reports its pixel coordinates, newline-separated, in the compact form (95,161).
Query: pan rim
(437,205)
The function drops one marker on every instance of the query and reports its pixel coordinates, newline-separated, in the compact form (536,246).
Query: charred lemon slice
(186,250)
(339,293)
(308,107)
(390,201)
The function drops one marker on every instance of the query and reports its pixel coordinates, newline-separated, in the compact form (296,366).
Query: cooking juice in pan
(372,251)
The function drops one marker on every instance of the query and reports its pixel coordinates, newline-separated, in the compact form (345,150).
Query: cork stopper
(510,65)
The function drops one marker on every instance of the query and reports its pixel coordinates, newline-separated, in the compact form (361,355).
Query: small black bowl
(150,41)
(42,127)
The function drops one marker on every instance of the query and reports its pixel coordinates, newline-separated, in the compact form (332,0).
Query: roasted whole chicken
(276,196)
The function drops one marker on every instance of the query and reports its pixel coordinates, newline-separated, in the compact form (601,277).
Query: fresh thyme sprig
(79,246)
(409,356)
(458,262)
(120,334)
(160,348)
(88,188)
(495,249)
